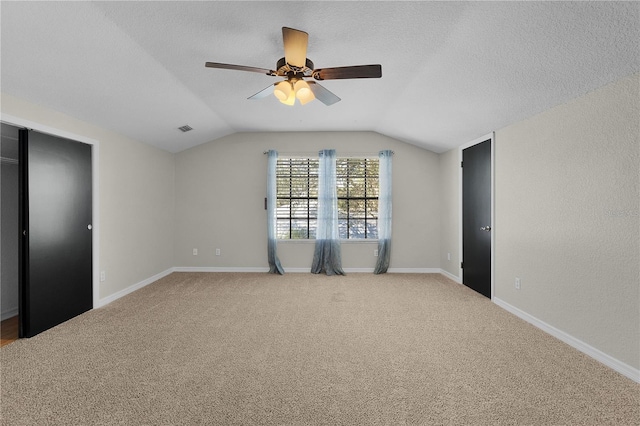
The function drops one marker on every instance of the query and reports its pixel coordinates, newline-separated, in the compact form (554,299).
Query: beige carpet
(306,349)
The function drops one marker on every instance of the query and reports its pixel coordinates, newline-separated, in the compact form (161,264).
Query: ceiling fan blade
(322,94)
(239,68)
(295,46)
(263,93)
(356,71)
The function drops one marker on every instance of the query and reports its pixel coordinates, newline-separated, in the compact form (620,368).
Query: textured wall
(220,190)
(136,198)
(568,218)
(450,211)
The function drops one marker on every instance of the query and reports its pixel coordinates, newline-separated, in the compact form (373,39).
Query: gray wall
(220,190)
(9,224)
(567,217)
(450,212)
(136,201)
(568,220)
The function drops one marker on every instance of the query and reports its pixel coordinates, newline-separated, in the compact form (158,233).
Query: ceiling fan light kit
(282,90)
(289,90)
(303,92)
(295,66)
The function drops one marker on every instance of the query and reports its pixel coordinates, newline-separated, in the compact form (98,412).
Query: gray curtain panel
(384,213)
(272,243)
(327,256)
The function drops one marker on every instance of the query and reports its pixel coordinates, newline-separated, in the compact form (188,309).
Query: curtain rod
(344,154)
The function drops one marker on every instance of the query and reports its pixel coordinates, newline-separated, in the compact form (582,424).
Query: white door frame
(490,136)
(95,212)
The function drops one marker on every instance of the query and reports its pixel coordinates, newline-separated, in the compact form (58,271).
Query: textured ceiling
(452,71)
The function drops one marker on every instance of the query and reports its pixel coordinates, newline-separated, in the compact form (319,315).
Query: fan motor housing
(285,69)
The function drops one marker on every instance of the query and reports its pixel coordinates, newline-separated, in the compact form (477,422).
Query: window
(297,198)
(357,185)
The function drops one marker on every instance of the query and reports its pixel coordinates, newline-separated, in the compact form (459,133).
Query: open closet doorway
(9,232)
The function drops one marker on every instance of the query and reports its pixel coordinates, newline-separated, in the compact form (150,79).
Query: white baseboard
(413,270)
(346,270)
(598,355)
(9,313)
(115,296)
(298,270)
(303,270)
(451,276)
(354,270)
(219,269)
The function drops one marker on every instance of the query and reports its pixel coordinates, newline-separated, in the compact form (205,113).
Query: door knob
(486,228)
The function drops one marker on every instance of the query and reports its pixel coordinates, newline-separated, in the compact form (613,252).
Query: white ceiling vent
(185,128)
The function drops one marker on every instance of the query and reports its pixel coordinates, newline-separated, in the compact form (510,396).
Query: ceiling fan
(295,67)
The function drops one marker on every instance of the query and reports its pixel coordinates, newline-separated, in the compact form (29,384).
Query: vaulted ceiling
(451,71)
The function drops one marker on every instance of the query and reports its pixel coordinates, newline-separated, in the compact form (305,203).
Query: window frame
(310,234)
(308,198)
(364,198)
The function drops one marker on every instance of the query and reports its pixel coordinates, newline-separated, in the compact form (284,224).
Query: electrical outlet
(195,252)
(517,283)
(448,256)
(375,252)
(103,276)
(217,252)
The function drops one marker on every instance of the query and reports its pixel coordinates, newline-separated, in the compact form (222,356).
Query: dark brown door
(56,245)
(476,217)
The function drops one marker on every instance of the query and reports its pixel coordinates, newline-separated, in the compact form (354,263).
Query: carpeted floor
(303,349)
